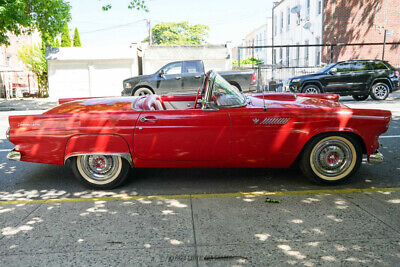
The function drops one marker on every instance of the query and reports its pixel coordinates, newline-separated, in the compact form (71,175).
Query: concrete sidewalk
(305,229)
(26,104)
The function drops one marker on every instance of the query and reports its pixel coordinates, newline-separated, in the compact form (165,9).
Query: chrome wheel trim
(380,91)
(333,158)
(312,90)
(99,169)
(143,92)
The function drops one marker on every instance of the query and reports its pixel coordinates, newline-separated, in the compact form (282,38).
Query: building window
(274,57)
(319,7)
(306,53)
(280,55)
(288,18)
(281,21)
(297,55)
(275,26)
(287,56)
(308,7)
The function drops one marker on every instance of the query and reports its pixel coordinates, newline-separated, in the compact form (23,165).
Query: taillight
(397,73)
(253,78)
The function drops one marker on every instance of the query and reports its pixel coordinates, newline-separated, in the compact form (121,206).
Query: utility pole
(384,44)
(150,32)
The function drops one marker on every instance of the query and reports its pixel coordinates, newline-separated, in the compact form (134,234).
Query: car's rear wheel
(380,91)
(311,89)
(331,158)
(100,171)
(142,91)
(360,97)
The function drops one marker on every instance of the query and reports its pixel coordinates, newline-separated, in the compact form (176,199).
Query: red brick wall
(361,21)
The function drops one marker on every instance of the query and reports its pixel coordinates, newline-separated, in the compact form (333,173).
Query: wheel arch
(104,144)
(328,133)
(142,86)
(313,82)
(383,80)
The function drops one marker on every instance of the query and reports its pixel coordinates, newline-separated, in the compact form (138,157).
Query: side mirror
(333,71)
(161,73)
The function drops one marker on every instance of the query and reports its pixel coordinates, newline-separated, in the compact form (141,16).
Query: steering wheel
(197,98)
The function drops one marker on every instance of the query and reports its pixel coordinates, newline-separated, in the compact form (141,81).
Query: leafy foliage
(25,16)
(34,59)
(77,39)
(133,4)
(65,38)
(248,61)
(179,33)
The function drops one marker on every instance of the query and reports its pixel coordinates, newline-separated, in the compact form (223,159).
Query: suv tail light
(253,78)
(397,73)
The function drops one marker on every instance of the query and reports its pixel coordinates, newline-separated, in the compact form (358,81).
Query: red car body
(269,133)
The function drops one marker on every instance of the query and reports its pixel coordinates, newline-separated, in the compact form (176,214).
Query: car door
(341,81)
(183,135)
(362,75)
(170,80)
(193,75)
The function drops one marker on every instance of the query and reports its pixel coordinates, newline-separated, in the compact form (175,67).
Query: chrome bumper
(14,155)
(376,158)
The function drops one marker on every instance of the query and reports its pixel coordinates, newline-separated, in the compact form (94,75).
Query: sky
(229,20)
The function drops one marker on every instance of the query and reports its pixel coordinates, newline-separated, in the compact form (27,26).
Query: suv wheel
(360,97)
(142,91)
(380,91)
(311,89)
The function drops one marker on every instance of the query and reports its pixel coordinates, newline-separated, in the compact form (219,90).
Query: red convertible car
(102,138)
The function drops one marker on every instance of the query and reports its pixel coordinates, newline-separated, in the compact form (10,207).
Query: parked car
(102,138)
(180,77)
(358,78)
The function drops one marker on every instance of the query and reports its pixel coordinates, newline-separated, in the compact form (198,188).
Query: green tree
(57,43)
(133,4)
(65,38)
(35,60)
(179,33)
(25,16)
(77,39)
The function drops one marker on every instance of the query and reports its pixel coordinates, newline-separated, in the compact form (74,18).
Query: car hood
(138,78)
(95,105)
(305,76)
(292,101)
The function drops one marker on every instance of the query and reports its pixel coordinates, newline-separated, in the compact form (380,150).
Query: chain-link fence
(275,65)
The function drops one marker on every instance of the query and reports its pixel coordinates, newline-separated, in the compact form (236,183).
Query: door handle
(178,78)
(197,76)
(144,119)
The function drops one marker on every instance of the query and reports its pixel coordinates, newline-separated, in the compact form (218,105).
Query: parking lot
(203,216)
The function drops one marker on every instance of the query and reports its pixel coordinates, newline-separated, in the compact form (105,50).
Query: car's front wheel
(380,91)
(360,97)
(311,89)
(331,158)
(100,171)
(142,91)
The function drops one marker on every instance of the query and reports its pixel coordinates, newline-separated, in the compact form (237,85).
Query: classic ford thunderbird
(102,138)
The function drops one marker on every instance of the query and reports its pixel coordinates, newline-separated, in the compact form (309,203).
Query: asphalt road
(200,217)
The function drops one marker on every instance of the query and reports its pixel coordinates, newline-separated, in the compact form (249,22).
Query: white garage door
(68,79)
(107,77)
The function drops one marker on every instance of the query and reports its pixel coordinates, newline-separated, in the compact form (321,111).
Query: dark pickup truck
(182,77)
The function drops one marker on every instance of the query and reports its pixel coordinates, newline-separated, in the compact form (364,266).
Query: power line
(114,27)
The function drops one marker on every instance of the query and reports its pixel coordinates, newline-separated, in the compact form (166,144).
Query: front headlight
(127,85)
(296,80)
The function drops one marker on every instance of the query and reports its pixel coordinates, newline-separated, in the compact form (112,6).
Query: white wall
(295,32)
(82,72)
(214,57)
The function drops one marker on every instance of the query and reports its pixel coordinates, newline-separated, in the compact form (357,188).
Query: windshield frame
(210,83)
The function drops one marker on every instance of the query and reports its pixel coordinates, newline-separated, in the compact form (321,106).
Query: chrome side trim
(376,158)
(126,156)
(14,155)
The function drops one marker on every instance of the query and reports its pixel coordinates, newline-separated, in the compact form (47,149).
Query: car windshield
(326,68)
(225,95)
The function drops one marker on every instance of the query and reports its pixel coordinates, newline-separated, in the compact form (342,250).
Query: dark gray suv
(358,78)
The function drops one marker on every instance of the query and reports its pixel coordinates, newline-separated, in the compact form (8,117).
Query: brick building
(303,22)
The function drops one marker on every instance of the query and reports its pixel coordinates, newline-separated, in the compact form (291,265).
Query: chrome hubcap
(332,157)
(311,90)
(99,167)
(380,91)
